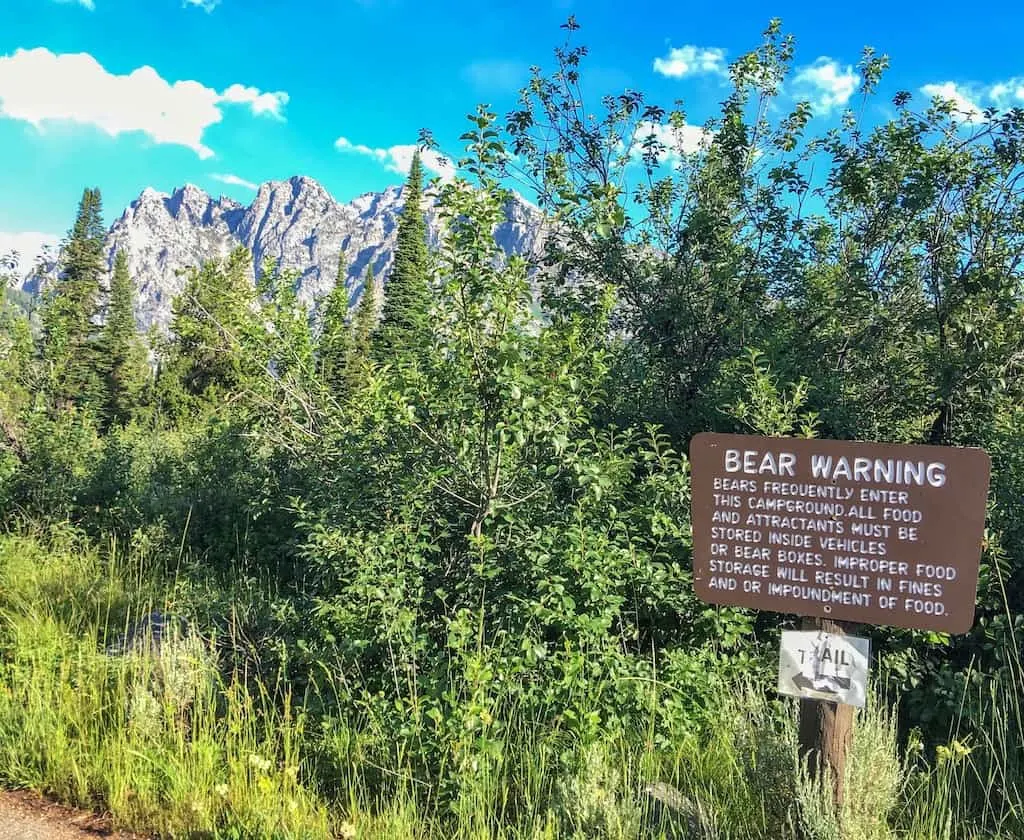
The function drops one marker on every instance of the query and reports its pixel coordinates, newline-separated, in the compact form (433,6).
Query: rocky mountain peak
(295,222)
(150,195)
(191,202)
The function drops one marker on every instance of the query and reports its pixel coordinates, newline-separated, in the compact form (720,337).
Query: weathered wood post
(826,728)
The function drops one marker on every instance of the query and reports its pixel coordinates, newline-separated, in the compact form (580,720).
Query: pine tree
(363,331)
(17,365)
(68,316)
(214,353)
(364,321)
(121,349)
(289,343)
(404,323)
(335,345)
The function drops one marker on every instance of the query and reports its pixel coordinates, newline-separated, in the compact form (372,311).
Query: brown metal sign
(865,532)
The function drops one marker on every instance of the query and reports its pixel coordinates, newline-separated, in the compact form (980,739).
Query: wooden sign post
(826,727)
(842,533)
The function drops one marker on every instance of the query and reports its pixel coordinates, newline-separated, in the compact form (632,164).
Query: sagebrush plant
(874,782)
(600,797)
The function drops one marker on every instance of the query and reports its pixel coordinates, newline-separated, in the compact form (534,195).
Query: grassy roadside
(182,746)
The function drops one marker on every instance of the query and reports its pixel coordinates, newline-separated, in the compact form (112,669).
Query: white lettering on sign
(868,470)
(879,470)
(824,666)
(752,462)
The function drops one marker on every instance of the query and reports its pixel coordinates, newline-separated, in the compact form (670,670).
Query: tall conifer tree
(335,345)
(17,365)
(363,332)
(404,324)
(211,355)
(120,348)
(364,322)
(68,316)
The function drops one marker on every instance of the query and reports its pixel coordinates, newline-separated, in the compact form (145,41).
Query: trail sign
(824,666)
(850,531)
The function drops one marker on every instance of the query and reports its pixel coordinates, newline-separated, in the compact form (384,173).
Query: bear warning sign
(863,532)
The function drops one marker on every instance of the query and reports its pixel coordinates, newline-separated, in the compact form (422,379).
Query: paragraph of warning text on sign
(829,530)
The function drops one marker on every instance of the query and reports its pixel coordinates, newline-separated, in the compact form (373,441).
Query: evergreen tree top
(83,250)
(407,295)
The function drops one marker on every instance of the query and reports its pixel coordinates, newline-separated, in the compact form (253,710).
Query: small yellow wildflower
(960,750)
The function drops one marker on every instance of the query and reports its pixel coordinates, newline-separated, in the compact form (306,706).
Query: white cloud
(401,161)
(1007,94)
(399,158)
(205,5)
(342,144)
(963,102)
(687,139)
(260,102)
(37,86)
(691,61)
(969,100)
(235,181)
(85,4)
(826,84)
(28,244)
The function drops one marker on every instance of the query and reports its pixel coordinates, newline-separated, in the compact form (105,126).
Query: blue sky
(125,94)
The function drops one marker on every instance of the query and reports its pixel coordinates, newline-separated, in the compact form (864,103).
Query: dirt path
(25,816)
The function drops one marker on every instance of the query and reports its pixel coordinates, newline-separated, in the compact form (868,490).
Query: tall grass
(163,742)
(184,745)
